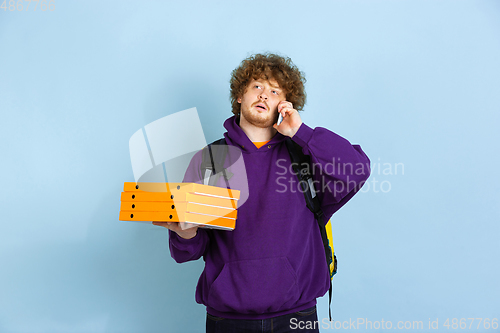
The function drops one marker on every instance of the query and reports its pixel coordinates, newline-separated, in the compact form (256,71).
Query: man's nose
(263,95)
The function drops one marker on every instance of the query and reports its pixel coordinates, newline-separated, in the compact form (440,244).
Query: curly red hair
(268,66)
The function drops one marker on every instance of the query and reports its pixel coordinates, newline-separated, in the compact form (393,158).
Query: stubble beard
(259,120)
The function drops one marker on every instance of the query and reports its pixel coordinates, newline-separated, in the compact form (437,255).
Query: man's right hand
(175,227)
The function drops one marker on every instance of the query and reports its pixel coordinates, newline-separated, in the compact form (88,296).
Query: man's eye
(275,92)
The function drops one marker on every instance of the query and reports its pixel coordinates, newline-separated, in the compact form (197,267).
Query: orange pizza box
(193,218)
(168,197)
(190,207)
(176,188)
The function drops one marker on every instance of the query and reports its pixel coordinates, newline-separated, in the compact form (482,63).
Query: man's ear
(239,100)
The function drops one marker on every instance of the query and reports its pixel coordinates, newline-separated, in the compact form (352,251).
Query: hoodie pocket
(254,286)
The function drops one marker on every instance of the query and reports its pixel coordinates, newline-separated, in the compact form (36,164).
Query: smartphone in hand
(280,119)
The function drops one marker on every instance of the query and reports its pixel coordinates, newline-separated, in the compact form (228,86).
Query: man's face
(259,103)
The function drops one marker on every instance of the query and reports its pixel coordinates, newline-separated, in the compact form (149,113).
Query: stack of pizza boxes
(189,203)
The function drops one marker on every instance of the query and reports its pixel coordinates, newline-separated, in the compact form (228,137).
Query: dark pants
(303,321)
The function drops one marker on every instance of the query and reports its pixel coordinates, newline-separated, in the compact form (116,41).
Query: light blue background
(414,82)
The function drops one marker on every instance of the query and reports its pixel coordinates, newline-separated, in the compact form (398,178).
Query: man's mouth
(261,106)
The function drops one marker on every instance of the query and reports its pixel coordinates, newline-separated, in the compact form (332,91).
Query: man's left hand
(291,119)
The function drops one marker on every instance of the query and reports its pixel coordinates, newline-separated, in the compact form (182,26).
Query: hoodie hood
(236,137)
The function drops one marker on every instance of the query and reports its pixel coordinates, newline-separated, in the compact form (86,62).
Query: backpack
(212,168)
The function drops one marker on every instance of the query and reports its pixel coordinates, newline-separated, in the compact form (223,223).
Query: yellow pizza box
(169,197)
(176,188)
(190,207)
(199,219)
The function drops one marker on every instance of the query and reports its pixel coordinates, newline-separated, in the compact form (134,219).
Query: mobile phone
(280,119)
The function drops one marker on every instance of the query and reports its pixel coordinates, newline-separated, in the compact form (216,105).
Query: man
(267,273)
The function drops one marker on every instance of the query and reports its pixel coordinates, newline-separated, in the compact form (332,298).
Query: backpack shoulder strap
(212,165)
(301,165)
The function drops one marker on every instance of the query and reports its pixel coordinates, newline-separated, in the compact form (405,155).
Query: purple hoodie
(273,262)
